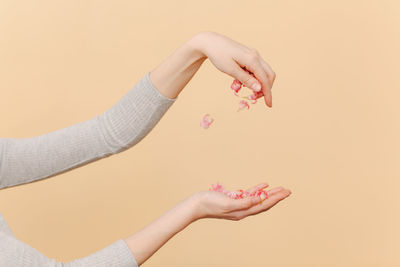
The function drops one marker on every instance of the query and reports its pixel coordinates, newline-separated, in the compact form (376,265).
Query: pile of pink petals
(238,194)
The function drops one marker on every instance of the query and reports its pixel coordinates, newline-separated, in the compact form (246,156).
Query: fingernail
(256,87)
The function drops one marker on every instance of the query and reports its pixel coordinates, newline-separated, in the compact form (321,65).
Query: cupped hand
(217,205)
(242,63)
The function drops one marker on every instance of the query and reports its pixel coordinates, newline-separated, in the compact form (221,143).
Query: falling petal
(206,121)
(243,104)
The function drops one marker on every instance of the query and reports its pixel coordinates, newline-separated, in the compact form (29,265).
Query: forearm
(173,74)
(118,128)
(147,241)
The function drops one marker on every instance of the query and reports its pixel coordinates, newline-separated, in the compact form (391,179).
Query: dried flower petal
(243,104)
(206,121)
(239,194)
(236,86)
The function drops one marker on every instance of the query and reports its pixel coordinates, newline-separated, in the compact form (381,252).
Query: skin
(201,205)
(228,56)
(170,77)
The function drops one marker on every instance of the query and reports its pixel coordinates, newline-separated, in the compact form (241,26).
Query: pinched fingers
(261,70)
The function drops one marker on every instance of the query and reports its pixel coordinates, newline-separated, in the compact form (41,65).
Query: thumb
(246,78)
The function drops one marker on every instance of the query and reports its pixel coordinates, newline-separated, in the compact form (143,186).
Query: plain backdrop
(332,136)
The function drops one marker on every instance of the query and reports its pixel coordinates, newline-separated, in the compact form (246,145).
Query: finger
(266,205)
(274,197)
(270,73)
(274,190)
(278,195)
(262,76)
(237,85)
(246,78)
(242,204)
(257,187)
(253,63)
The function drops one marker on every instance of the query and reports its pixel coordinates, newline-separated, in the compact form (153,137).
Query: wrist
(198,201)
(173,74)
(194,203)
(197,45)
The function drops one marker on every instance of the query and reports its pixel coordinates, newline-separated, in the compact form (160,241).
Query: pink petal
(206,121)
(238,194)
(243,104)
(236,85)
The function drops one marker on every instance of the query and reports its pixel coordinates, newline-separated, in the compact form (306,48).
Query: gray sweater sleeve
(4,228)
(28,159)
(15,253)
(118,128)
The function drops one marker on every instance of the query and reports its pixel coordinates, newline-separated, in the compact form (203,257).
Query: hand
(206,204)
(234,59)
(213,204)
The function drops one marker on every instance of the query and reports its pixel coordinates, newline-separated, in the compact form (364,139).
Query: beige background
(331,137)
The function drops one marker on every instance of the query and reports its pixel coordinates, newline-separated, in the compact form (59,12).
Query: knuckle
(232,72)
(253,58)
(273,75)
(253,55)
(254,51)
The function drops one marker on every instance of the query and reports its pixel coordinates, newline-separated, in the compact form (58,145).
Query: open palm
(218,205)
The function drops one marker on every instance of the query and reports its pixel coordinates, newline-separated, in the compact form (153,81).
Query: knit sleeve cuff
(118,254)
(123,254)
(151,87)
(134,116)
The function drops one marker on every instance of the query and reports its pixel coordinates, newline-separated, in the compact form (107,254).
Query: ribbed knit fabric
(4,228)
(14,253)
(29,159)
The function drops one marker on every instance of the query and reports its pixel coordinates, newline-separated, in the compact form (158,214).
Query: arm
(136,249)
(119,128)
(205,204)
(18,254)
(225,54)
(132,118)
(147,241)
